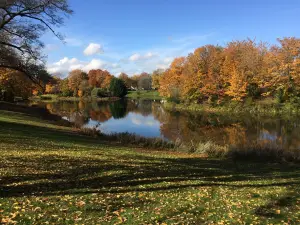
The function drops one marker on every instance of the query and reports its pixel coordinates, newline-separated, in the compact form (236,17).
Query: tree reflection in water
(145,114)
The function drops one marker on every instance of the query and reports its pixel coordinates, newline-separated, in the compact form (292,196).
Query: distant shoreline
(45,98)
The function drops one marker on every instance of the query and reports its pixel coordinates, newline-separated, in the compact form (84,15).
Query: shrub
(211,149)
(212,100)
(132,139)
(66,93)
(98,93)
(92,132)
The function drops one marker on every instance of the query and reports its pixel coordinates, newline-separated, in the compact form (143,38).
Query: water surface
(149,118)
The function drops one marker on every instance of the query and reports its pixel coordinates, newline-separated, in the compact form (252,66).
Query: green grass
(261,107)
(55,98)
(144,95)
(50,174)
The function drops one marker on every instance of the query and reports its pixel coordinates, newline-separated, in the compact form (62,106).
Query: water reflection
(149,118)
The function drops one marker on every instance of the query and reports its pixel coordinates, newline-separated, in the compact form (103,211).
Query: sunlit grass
(144,94)
(50,174)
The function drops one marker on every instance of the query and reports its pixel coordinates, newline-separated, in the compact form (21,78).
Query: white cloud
(146,60)
(136,121)
(93,49)
(138,57)
(135,57)
(65,65)
(94,64)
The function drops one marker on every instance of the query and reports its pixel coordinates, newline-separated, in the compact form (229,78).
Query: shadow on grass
(274,207)
(48,174)
(67,175)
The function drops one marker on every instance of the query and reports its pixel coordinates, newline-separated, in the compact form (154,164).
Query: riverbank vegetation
(144,94)
(267,106)
(71,178)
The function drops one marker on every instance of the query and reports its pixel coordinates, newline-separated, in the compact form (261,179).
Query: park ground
(50,174)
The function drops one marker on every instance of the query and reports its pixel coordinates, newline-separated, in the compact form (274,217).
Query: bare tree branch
(21,26)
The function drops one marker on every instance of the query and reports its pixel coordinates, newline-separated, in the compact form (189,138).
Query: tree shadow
(126,174)
(104,171)
(275,206)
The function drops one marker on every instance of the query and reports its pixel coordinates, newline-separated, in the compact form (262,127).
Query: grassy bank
(267,107)
(52,174)
(144,95)
(52,98)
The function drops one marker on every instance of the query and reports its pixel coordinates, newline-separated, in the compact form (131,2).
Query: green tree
(117,87)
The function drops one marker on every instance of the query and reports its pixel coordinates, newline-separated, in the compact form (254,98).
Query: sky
(135,36)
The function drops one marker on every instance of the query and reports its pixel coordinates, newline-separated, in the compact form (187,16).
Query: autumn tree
(242,66)
(52,87)
(201,74)
(64,88)
(171,80)
(155,78)
(75,79)
(106,82)
(99,78)
(15,83)
(96,77)
(126,79)
(284,66)
(238,70)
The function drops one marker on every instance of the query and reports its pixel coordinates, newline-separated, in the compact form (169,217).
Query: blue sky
(133,36)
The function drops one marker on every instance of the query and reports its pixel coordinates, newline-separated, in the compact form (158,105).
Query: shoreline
(236,108)
(87,99)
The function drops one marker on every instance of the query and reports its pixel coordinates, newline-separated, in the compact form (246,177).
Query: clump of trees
(239,70)
(95,83)
(141,81)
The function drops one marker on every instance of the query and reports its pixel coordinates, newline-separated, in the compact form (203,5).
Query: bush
(212,100)
(66,93)
(99,93)
(210,149)
(133,139)
(48,97)
(118,88)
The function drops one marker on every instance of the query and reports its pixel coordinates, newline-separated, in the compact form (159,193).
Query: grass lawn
(144,95)
(51,175)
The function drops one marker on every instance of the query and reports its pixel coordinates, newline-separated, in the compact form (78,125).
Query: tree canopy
(22,24)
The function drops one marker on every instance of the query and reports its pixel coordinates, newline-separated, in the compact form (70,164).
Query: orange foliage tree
(15,83)
(171,81)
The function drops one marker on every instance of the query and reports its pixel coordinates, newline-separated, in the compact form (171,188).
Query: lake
(148,118)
